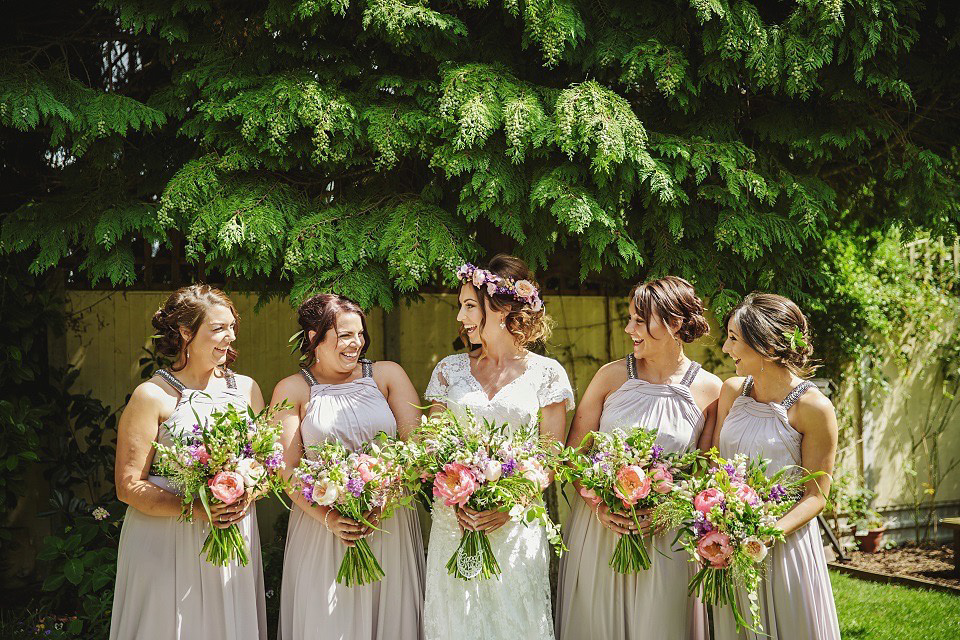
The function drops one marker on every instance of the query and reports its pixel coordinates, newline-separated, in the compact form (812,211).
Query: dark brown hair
(766,323)
(187,308)
(526,326)
(671,298)
(319,314)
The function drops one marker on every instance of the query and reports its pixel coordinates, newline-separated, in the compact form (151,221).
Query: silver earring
(503,325)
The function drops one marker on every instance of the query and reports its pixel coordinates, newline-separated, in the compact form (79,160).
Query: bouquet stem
(716,588)
(359,565)
(473,558)
(630,555)
(223,545)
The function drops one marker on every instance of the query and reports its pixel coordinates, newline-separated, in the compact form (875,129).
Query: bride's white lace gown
(517,603)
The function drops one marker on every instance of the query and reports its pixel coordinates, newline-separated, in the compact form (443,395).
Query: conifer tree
(368,146)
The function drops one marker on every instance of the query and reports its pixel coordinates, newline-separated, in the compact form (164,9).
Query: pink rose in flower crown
(716,549)
(662,480)
(478,278)
(226,486)
(364,465)
(491,288)
(747,494)
(707,500)
(455,484)
(632,485)
(524,288)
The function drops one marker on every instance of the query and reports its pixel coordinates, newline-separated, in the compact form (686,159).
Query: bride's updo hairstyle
(774,327)
(319,314)
(187,308)
(526,325)
(671,298)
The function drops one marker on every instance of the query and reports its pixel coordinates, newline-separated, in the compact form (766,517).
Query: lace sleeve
(555,385)
(437,387)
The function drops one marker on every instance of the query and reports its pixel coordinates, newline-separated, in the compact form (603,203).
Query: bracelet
(327,517)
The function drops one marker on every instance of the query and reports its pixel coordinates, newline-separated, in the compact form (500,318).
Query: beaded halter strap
(791,398)
(366,366)
(688,377)
(174,382)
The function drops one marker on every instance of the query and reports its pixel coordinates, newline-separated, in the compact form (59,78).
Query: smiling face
(746,359)
(479,327)
(213,337)
(340,348)
(650,336)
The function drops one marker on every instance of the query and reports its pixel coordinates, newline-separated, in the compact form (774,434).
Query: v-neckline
(490,398)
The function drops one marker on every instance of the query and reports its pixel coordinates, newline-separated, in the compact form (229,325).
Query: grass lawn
(893,612)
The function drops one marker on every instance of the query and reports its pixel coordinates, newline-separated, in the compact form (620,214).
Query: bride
(501,313)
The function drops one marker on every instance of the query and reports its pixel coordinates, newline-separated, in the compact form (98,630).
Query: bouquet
(626,472)
(233,452)
(731,516)
(484,465)
(354,483)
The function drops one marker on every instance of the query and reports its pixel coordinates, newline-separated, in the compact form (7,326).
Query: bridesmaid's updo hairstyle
(187,308)
(774,327)
(526,325)
(319,314)
(672,298)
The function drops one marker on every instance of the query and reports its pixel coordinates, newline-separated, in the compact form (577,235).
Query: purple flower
(308,493)
(730,469)
(247,450)
(197,429)
(355,486)
(701,526)
(777,493)
(508,467)
(273,461)
(656,451)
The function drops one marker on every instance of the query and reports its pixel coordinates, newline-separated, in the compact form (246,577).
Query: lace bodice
(543,382)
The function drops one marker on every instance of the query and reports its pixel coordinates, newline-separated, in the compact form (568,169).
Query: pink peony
(533,471)
(590,496)
(716,549)
(226,486)
(364,464)
(454,485)
(632,485)
(747,494)
(707,500)
(662,480)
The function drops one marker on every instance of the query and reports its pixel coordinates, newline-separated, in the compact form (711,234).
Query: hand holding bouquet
(732,512)
(355,484)
(485,466)
(627,471)
(236,453)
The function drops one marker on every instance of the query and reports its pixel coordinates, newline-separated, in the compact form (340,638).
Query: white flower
(251,471)
(524,288)
(478,278)
(492,471)
(100,513)
(755,549)
(325,493)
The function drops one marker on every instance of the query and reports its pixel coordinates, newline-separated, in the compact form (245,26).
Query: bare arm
(728,393)
(401,396)
(816,420)
(136,433)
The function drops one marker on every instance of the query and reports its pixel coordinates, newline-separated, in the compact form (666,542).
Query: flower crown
(522,290)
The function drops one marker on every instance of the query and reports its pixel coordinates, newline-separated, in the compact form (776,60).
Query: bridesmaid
(774,412)
(340,395)
(165,588)
(659,387)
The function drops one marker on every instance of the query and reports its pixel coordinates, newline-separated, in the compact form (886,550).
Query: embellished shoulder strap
(691,374)
(366,367)
(311,381)
(747,386)
(172,380)
(631,367)
(794,395)
(230,379)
